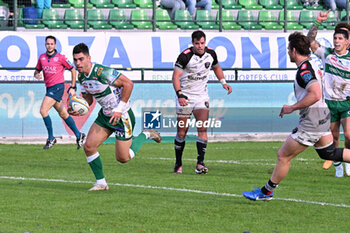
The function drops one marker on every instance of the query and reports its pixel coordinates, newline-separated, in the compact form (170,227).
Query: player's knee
(122,159)
(64,114)
(181,134)
(89,149)
(43,113)
(347,136)
(331,153)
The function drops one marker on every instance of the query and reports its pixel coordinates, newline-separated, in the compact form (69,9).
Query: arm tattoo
(312,33)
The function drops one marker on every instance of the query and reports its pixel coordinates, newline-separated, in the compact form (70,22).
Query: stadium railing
(236,72)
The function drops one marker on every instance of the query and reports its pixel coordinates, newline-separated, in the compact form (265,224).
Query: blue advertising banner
(250,105)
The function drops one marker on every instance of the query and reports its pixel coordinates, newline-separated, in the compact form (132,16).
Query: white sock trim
(101,181)
(148,134)
(131,153)
(92,157)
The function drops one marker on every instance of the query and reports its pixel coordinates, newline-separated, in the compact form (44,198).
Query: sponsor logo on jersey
(334,58)
(128,126)
(119,132)
(152,119)
(304,72)
(307,77)
(187,51)
(304,66)
(99,71)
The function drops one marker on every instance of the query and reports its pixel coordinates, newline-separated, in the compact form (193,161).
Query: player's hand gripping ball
(79,105)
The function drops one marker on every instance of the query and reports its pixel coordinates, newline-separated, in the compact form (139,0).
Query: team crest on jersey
(206,104)
(55,59)
(99,71)
(207,64)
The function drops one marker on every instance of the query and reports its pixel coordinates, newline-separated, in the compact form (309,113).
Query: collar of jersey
(49,56)
(341,56)
(197,53)
(92,68)
(52,54)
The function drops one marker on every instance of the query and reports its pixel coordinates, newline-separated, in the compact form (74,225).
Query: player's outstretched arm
(221,77)
(321,17)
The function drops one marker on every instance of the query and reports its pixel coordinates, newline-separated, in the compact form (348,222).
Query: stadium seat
(102,3)
(118,20)
(52,20)
(312,7)
(3,4)
(247,21)
(292,23)
(230,4)
(60,5)
(140,19)
(23,23)
(183,19)
(205,20)
(74,19)
(79,4)
(292,5)
(331,21)
(270,4)
(144,3)
(268,20)
(228,20)
(250,4)
(97,20)
(163,20)
(214,5)
(343,15)
(307,19)
(124,3)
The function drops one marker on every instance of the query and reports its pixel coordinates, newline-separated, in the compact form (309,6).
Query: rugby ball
(79,104)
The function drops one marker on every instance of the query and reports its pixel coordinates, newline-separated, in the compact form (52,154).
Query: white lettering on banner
(22,105)
(210,123)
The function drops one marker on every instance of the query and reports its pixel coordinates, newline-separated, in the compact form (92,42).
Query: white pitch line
(171,189)
(243,162)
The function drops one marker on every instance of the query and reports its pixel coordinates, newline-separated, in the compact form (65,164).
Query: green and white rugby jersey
(100,84)
(336,73)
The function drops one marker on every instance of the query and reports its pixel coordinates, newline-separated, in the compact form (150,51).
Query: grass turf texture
(48,206)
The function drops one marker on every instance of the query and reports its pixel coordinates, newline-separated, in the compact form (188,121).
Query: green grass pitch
(46,191)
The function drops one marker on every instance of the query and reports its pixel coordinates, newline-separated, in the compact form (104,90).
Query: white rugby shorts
(194,103)
(307,138)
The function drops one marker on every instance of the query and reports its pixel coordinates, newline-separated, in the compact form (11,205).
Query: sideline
(172,189)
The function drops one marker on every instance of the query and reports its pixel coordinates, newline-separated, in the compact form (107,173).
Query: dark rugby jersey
(195,70)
